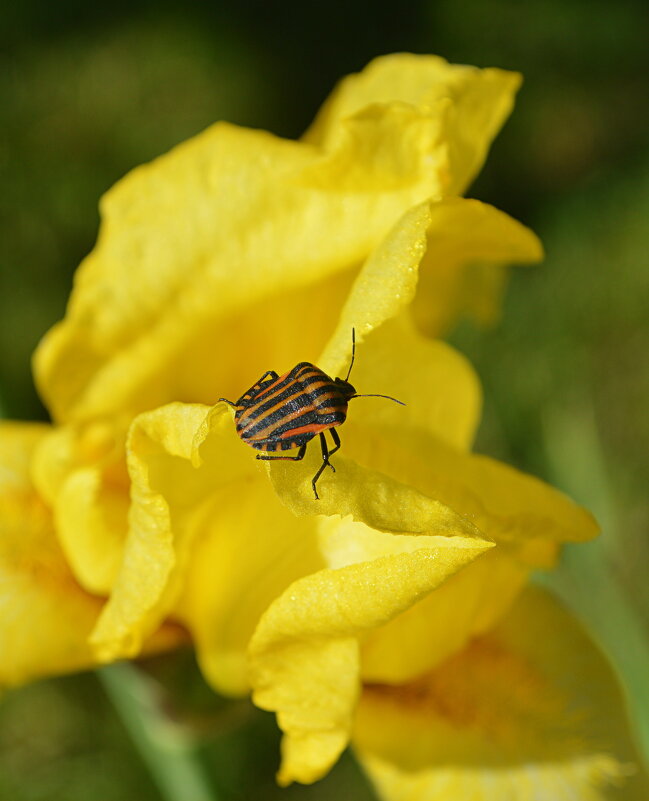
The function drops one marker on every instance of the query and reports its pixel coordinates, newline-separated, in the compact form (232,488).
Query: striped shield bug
(283,412)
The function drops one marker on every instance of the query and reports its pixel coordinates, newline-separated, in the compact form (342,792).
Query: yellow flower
(236,253)
(528,710)
(46,616)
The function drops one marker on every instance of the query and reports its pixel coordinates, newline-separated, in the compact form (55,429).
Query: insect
(283,412)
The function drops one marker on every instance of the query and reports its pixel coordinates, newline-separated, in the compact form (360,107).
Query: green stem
(162,745)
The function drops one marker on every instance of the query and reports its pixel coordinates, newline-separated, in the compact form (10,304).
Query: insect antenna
(388,397)
(351,364)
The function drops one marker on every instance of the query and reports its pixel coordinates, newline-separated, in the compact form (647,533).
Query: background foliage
(89,91)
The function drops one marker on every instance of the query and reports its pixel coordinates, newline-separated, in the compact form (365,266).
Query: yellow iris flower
(388,612)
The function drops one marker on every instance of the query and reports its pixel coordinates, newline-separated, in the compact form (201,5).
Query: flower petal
(448,397)
(225,222)
(248,549)
(167,498)
(479,101)
(91,519)
(384,287)
(468,604)
(193,550)
(462,272)
(368,496)
(304,655)
(473,600)
(530,710)
(444,257)
(46,615)
(425,259)
(438,385)
(505,504)
(81,472)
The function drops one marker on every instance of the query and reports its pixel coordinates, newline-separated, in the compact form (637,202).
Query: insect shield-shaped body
(283,412)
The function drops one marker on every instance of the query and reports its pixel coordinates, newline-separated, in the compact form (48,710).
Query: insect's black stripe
(298,372)
(331,402)
(269,377)
(258,416)
(296,394)
(251,408)
(294,388)
(271,388)
(308,418)
(282,430)
(268,426)
(251,394)
(261,420)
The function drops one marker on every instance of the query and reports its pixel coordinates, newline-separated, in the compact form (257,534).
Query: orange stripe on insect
(272,425)
(311,428)
(251,420)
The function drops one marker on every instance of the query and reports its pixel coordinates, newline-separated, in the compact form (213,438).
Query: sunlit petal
(508,505)
(305,653)
(222,223)
(46,617)
(462,272)
(167,497)
(245,555)
(477,102)
(530,710)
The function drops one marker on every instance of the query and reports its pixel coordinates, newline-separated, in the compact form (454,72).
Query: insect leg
(336,439)
(325,462)
(268,374)
(299,457)
(225,400)
(326,453)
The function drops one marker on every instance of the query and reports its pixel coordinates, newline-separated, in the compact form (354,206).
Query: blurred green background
(89,91)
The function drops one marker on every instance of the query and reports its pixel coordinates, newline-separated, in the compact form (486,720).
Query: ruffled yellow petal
(463,270)
(167,499)
(221,225)
(81,471)
(368,496)
(530,710)
(525,516)
(46,616)
(424,259)
(304,656)
(469,603)
(476,101)
(200,246)
(444,258)
(448,394)
(195,550)
(91,518)
(511,507)
(384,287)
(438,386)
(248,549)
